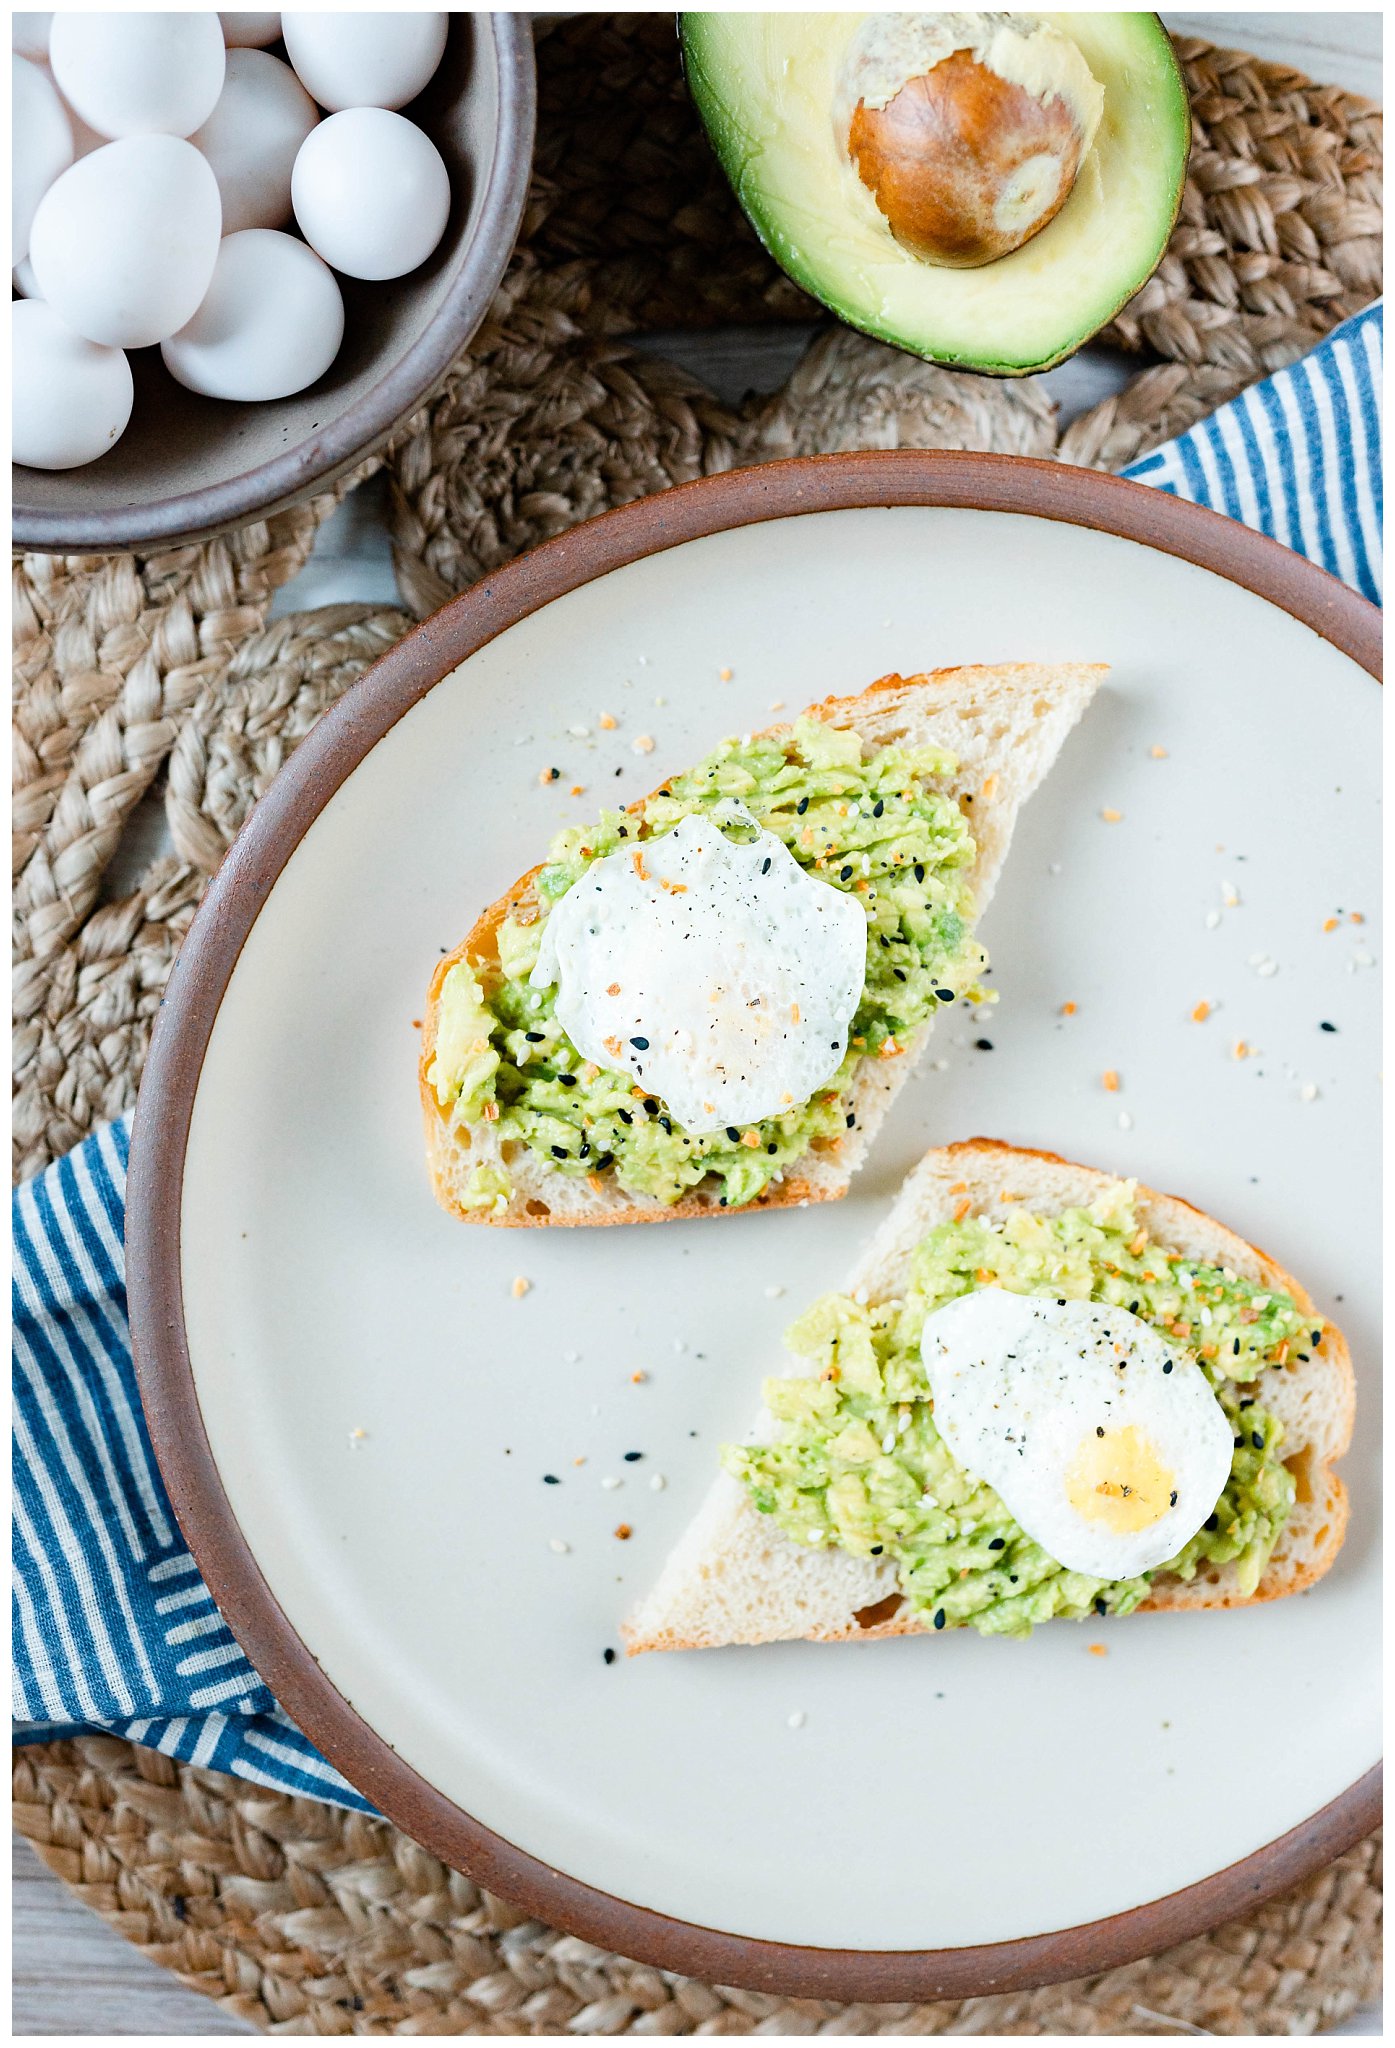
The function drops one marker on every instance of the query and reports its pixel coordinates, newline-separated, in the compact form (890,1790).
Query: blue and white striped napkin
(114,1629)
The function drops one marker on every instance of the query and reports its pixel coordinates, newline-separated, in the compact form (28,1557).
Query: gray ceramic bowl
(187,467)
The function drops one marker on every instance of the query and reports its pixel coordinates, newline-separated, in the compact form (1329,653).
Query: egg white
(718,972)
(1033,1395)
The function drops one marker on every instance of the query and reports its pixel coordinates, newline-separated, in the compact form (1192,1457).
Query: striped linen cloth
(114,1629)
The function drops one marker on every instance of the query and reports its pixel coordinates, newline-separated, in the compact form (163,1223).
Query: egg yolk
(1117,1478)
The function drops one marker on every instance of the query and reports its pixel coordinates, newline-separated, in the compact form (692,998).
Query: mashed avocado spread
(884,826)
(858,1462)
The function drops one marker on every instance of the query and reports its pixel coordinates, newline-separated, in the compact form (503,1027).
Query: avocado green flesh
(859,1465)
(764,85)
(884,827)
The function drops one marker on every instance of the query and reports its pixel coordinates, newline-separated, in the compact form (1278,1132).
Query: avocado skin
(733,142)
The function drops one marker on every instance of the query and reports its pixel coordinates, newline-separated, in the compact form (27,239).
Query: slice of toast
(734,1577)
(1004,725)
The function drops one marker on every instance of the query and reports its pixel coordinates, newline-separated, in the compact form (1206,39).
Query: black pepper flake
(939,1617)
(607,1656)
(983,1045)
(1235,1347)
(1098,1430)
(1172,1500)
(850,1119)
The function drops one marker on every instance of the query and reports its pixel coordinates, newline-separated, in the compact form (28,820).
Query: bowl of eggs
(245,246)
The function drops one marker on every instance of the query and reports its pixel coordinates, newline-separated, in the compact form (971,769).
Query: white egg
(42,146)
(29,34)
(364,60)
(25,282)
(250,31)
(1104,1442)
(722,975)
(139,74)
(271,323)
(252,139)
(70,398)
(123,245)
(370,193)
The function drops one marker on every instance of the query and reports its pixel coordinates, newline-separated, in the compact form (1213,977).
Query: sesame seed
(1309,1091)
(939,1617)
(797,1719)
(608,1656)
(773,1293)
(633,1457)
(1213,918)
(1125,1120)
(657,1483)
(556,1544)
(610,1482)
(551,1479)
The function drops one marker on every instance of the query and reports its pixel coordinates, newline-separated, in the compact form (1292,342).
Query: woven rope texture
(157,683)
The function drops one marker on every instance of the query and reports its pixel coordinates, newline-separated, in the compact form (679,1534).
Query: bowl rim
(341,740)
(269,487)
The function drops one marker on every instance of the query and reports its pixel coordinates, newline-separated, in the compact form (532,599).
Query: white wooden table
(71,1974)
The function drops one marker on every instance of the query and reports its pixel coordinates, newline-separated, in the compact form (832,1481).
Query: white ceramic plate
(938,1794)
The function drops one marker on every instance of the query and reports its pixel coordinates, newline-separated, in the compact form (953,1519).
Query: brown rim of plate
(269,487)
(331,752)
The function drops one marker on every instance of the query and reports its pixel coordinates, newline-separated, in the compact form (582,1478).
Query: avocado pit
(968,129)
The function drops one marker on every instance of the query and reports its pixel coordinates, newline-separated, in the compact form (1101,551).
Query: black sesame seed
(845,874)
(1167,1365)
(1098,1430)
(608,1656)
(920,870)
(877,808)
(983,1044)
(551,1479)
(633,1457)
(1325,1026)
(640,1044)
(624,1116)
(560,1152)
(765,865)
(802,806)
(899,973)
(533,1037)
(566,1080)
(1256,1439)
(997,1543)
(1317,1337)
(667,1125)
(876,1550)
(1172,1500)
(733,1134)
(850,1119)
(1012,1578)
(772,1148)
(1101,1606)
(939,1617)
(1212,1522)
(944,995)
(651,1106)
(604,1159)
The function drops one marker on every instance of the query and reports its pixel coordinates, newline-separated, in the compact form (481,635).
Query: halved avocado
(766,86)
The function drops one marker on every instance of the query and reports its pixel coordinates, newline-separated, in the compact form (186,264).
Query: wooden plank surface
(71,1974)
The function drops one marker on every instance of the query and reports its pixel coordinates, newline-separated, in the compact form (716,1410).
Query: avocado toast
(902,800)
(841,1521)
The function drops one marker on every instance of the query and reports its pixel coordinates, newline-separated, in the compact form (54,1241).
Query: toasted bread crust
(1309,1543)
(480,949)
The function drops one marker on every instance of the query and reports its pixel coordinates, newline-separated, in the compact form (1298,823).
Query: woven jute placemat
(160,683)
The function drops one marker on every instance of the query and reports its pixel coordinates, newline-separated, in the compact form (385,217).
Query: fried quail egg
(717,971)
(1104,1442)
